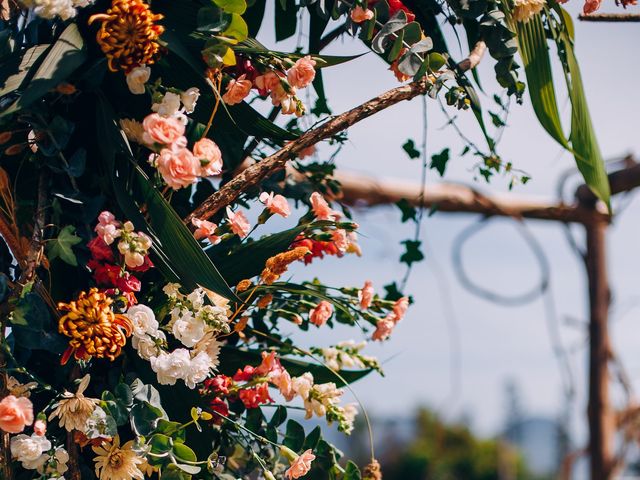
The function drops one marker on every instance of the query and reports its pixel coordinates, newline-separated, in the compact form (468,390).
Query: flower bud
(287,453)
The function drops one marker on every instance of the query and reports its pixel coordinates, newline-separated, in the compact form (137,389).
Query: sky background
(492,343)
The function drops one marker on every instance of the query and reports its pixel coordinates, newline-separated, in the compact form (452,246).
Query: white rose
(198,370)
(210,345)
(28,449)
(171,290)
(188,329)
(136,79)
(189,99)
(143,320)
(169,106)
(196,298)
(146,346)
(171,366)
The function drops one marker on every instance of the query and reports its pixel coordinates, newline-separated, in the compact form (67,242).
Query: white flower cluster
(347,355)
(194,324)
(65,9)
(322,399)
(177,105)
(35,453)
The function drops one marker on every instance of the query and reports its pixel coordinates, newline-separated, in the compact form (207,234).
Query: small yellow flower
(525,10)
(128,35)
(74,409)
(95,330)
(114,462)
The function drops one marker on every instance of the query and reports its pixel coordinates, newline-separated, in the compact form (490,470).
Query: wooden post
(600,414)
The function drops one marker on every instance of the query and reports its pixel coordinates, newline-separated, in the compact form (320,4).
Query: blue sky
(495,343)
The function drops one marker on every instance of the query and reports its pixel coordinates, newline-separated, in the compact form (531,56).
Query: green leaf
(410,147)
(279,416)
(237,29)
(408,211)
(294,436)
(351,472)
(413,253)
(144,418)
(184,453)
(24,64)
(61,247)
(62,59)
(232,6)
(439,161)
(286,19)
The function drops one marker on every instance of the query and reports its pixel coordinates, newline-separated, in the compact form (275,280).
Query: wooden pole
(600,414)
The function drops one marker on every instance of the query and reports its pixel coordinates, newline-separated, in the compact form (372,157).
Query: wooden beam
(610,17)
(359,190)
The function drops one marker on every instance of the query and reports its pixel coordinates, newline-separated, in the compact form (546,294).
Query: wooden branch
(253,175)
(610,17)
(360,190)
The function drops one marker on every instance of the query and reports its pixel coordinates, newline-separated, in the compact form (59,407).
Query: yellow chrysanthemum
(114,462)
(129,34)
(74,409)
(95,330)
(525,10)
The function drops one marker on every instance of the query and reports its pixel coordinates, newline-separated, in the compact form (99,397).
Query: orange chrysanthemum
(95,330)
(128,35)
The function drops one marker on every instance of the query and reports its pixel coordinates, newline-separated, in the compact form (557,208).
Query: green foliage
(61,246)
(413,253)
(439,161)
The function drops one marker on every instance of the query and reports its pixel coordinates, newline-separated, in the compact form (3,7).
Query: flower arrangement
(145,317)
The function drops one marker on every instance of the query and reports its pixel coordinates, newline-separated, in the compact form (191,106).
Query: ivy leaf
(413,253)
(408,212)
(410,147)
(439,161)
(393,292)
(61,247)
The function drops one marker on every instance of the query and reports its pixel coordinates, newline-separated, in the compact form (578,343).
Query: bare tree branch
(256,173)
(610,17)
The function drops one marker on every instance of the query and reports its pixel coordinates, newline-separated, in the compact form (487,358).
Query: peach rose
(158,129)
(319,315)
(302,73)
(15,413)
(400,308)
(384,328)
(268,82)
(238,223)
(206,150)
(40,428)
(365,296)
(205,229)
(359,14)
(237,90)
(300,466)
(321,208)
(178,168)
(276,204)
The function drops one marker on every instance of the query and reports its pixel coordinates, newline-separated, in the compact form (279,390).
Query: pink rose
(400,308)
(319,315)
(238,223)
(15,413)
(158,129)
(321,208)
(206,150)
(300,466)
(40,428)
(268,82)
(237,90)
(359,14)
(384,328)
(178,168)
(205,229)
(276,204)
(365,296)
(302,73)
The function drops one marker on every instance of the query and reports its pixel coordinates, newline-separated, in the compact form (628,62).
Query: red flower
(219,406)
(246,374)
(397,5)
(254,397)
(218,384)
(100,250)
(114,276)
(318,248)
